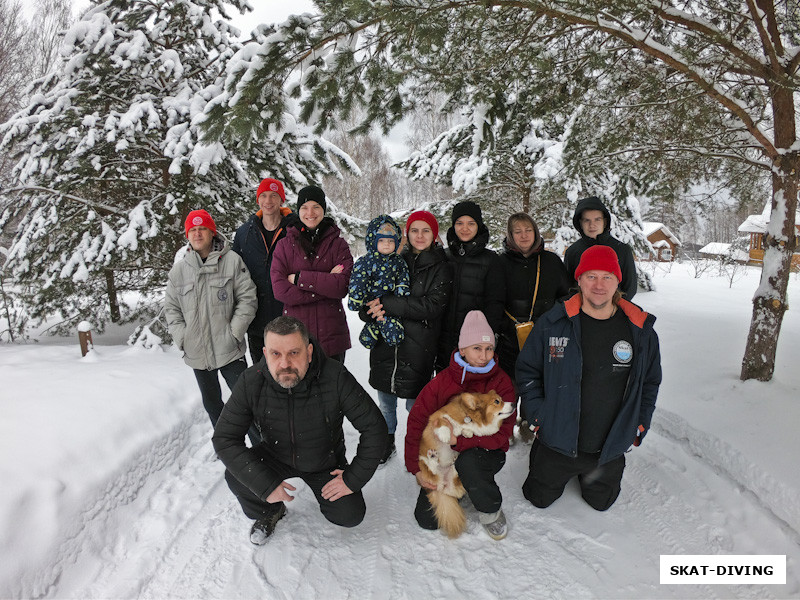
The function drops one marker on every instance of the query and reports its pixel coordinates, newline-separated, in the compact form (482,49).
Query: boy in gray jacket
(210,302)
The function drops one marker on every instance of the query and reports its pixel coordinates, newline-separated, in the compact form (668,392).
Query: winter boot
(264,527)
(495,524)
(390,449)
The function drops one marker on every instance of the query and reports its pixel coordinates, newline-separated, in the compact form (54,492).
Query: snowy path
(181,535)
(111,490)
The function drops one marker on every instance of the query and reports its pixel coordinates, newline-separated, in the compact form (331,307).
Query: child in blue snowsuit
(380,271)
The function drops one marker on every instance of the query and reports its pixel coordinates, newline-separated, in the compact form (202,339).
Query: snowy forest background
(119,117)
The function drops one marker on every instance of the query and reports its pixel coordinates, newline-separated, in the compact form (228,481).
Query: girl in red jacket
(472,369)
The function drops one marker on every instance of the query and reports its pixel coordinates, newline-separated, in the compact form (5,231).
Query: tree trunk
(770,300)
(113,301)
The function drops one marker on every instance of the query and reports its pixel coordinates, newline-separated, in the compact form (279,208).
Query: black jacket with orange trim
(549,379)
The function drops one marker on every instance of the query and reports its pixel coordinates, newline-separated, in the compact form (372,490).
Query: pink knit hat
(475,330)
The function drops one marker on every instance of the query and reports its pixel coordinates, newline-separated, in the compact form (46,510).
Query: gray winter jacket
(209,306)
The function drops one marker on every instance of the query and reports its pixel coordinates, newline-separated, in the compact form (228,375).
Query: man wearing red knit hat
(254,242)
(209,304)
(588,376)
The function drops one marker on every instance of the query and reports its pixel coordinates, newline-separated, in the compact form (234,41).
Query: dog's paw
(432,454)
(442,434)
(467,433)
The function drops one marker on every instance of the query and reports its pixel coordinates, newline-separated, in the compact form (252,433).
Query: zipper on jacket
(394,371)
(291,427)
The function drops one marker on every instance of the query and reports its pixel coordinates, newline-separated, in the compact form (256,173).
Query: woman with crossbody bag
(533,279)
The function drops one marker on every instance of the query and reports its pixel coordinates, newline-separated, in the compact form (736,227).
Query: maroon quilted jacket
(316,296)
(438,392)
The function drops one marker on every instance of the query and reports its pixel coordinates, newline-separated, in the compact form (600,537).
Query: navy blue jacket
(549,379)
(256,252)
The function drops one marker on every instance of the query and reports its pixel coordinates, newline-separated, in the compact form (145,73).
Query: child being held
(380,271)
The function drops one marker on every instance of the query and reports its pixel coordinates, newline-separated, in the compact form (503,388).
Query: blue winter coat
(549,379)
(256,252)
(376,274)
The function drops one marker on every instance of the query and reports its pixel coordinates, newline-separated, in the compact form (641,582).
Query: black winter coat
(300,427)
(405,369)
(477,285)
(572,257)
(550,380)
(519,282)
(256,251)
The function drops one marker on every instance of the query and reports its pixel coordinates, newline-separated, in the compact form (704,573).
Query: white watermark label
(738,569)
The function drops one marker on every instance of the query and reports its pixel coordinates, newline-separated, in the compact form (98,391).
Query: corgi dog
(468,414)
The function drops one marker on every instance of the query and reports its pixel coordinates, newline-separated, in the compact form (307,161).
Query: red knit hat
(599,258)
(423,215)
(271,185)
(200,218)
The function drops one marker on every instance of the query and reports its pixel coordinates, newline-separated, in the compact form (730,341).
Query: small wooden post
(85,337)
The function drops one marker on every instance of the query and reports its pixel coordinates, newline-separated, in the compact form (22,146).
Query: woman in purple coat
(310,273)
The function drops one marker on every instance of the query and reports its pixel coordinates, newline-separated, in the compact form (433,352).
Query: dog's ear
(470,401)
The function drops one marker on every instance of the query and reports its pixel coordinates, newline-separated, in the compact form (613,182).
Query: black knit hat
(313,193)
(469,209)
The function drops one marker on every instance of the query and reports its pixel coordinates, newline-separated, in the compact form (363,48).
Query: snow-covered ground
(110,488)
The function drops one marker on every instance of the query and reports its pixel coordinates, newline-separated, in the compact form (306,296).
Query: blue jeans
(388,404)
(211,392)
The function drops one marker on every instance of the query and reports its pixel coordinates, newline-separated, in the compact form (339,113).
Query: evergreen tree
(110,158)
(689,81)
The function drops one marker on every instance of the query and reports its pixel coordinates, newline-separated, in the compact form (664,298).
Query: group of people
(558,336)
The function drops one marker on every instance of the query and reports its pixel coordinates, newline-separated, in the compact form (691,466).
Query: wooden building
(756,227)
(665,243)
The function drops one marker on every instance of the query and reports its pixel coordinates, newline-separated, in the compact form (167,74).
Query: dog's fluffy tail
(449,514)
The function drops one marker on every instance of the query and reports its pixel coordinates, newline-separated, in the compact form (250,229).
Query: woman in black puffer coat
(477,282)
(402,371)
(524,254)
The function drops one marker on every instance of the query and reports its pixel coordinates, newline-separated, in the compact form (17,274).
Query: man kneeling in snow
(589,376)
(297,398)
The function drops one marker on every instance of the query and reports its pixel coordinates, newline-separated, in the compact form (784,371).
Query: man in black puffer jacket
(593,222)
(298,398)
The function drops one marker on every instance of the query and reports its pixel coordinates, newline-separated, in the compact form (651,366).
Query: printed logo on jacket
(557,347)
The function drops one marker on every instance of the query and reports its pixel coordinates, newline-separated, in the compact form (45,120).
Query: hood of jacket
(219,247)
(380,227)
(511,249)
(470,248)
(590,203)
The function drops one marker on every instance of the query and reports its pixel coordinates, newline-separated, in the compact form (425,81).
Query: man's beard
(289,383)
(600,306)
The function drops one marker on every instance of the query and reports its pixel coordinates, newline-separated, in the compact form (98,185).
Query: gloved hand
(640,433)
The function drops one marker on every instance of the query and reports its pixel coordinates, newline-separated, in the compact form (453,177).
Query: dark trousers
(550,471)
(255,344)
(211,392)
(476,468)
(347,511)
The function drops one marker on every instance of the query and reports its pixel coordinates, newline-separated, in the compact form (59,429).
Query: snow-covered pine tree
(725,74)
(110,157)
